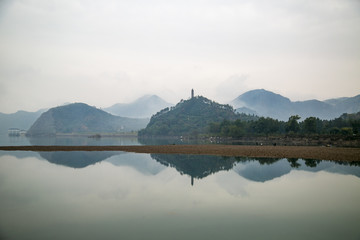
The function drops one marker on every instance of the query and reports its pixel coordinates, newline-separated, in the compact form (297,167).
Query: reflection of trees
(262,161)
(76,159)
(293,162)
(267,161)
(355,163)
(196,166)
(311,162)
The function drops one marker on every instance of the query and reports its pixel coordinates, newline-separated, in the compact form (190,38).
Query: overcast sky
(110,51)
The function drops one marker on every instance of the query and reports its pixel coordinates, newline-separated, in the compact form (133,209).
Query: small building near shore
(14,132)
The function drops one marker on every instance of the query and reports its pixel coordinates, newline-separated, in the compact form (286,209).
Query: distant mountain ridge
(20,119)
(82,118)
(143,107)
(268,104)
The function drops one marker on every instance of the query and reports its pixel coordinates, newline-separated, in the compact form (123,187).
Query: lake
(6,140)
(118,195)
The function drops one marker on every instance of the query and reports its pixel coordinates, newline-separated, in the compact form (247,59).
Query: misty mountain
(143,107)
(269,104)
(20,119)
(345,104)
(82,118)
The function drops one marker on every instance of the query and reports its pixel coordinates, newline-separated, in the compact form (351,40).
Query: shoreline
(304,152)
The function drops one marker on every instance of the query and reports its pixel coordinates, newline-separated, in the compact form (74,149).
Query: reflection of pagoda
(196,166)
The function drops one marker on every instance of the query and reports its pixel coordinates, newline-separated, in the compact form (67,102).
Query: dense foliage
(346,124)
(189,117)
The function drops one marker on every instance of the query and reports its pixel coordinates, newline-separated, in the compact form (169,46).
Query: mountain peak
(269,104)
(142,107)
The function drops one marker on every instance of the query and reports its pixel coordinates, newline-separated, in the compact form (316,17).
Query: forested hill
(189,117)
(82,118)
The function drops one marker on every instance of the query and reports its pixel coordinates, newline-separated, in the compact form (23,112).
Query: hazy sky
(110,51)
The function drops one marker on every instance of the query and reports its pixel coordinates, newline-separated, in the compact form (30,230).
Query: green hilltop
(189,117)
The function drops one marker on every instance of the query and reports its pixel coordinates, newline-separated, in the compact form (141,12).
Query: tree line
(346,124)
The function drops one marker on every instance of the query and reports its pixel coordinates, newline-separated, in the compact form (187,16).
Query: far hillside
(268,104)
(143,107)
(21,120)
(80,118)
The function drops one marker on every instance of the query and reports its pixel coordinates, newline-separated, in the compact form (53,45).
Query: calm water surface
(117,195)
(6,140)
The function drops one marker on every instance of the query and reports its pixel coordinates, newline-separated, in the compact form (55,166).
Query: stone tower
(192,93)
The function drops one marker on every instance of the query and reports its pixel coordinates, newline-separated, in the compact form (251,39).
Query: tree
(292,124)
(310,125)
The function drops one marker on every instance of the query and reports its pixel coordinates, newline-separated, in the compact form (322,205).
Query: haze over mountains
(143,107)
(20,119)
(268,104)
(258,102)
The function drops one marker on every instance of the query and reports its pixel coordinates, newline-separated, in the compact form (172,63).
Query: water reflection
(195,166)
(76,159)
(259,170)
(142,163)
(143,196)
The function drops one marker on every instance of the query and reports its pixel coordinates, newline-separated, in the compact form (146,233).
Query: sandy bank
(321,153)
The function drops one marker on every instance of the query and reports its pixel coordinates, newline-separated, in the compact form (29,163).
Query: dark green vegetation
(346,124)
(200,115)
(190,117)
(83,119)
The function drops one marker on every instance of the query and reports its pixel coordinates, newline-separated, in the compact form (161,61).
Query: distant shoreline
(304,152)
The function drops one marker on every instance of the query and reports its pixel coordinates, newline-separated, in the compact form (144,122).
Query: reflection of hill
(196,166)
(76,159)
(20,154)
(142,163)
(344,168)
(256,170)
